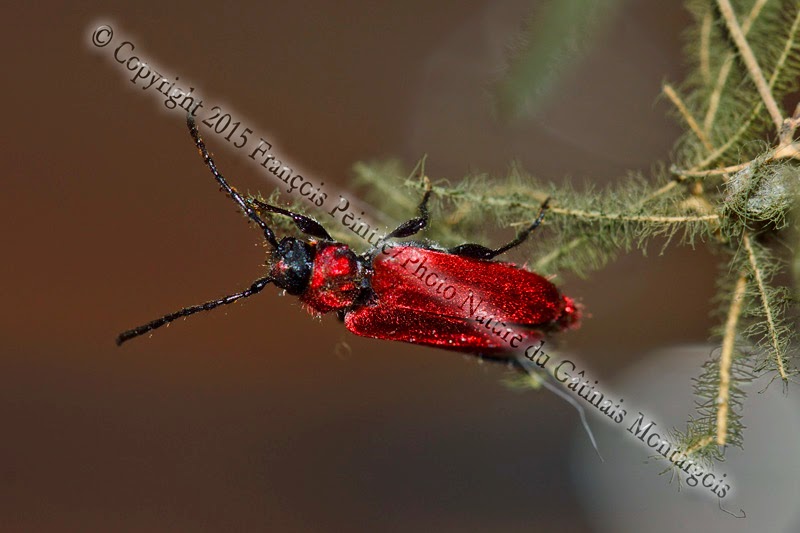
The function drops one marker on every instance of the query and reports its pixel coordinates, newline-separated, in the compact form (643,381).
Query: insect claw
(426,182)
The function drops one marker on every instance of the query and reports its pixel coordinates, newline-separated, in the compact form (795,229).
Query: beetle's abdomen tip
(571,315)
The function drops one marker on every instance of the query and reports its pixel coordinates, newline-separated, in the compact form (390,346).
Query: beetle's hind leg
(549,382)
(415,225)
(305,224)
(478,251)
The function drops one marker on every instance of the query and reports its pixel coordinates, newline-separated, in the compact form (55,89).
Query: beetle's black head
(292,267)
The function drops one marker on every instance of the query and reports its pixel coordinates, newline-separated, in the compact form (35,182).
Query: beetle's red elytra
(457,299)
(431,297)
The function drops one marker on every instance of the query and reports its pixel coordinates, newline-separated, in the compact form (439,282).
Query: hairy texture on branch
(726,360)
(607,220)
(772,331)
(719,387)
(733,107)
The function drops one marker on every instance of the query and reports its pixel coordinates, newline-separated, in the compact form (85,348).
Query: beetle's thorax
(327,276)
(337,278)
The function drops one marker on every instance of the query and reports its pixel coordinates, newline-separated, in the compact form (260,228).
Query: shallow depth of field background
(258,417)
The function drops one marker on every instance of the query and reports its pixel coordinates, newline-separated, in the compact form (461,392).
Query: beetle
(457,299)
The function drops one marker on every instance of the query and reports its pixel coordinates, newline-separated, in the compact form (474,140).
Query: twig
(687,116)
(577,241)
(787,151)
(783,151)
(750,61)
(580,213)
(583,214)
(787,48)
(765,303)
(663,190)
(726,359)
(705,45)
(725,69)
(577,213)
(791,124)
(699,445)
(713,172)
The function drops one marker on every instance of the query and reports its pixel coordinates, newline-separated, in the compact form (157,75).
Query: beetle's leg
(415,225)
(268,233)
(498,359)
(548,381)
(477,251)
(186,311)
(307,225)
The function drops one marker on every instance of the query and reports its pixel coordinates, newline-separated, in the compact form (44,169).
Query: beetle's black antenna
(187,311)
(249,211)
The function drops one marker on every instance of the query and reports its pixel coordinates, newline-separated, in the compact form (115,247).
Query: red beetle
(456,299)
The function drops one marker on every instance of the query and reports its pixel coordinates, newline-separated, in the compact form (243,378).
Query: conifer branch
(713,172)
(790,125)
(725,69)
(787,50)
(746,125)
(687,116)
(598,215)
(787,151)
(705,46)
(699,445)
(495,201)
(713,101)
(784,150)
(750,61)
(661,191)
(726,359)
(733,139)
(771,324)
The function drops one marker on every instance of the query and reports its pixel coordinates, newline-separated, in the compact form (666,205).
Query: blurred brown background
(256,418)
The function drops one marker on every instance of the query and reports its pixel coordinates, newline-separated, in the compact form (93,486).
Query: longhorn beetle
(456,299)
